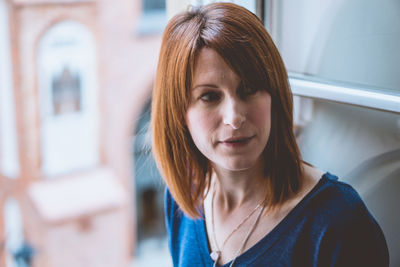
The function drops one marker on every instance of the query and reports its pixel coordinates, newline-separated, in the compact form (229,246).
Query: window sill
(347,95)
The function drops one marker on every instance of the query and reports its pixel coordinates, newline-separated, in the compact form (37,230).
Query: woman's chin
(238,166)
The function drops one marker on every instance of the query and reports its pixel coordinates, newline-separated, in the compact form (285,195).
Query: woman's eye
(251,92)
(244,93)
(209,97)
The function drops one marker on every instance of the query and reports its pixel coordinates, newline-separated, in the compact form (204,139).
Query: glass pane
(353,41)
(153,5)
(66,91)
(153,18)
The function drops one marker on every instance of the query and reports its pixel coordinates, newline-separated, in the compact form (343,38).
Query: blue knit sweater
(331,226)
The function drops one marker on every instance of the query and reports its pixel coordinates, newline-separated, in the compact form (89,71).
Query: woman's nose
(233,113)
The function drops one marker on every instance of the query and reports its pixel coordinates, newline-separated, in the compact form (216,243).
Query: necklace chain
(234,230)
(216,254)
(253,227)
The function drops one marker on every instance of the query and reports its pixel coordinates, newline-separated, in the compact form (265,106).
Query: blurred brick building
(74,78)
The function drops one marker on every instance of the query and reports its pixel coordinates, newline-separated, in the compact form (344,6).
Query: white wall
(9,161)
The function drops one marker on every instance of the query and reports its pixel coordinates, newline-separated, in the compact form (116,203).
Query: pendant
(215,255)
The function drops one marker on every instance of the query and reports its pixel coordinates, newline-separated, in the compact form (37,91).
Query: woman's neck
(234,189)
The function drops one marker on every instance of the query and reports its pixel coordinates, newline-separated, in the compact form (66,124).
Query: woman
(238,191)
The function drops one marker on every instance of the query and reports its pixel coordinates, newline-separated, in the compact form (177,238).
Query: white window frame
(344,93)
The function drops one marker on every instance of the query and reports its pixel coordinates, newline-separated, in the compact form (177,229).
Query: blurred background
(78,185)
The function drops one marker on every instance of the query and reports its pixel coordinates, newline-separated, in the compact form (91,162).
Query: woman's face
(229,127)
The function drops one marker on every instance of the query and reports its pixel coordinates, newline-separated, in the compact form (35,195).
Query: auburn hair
(240,38)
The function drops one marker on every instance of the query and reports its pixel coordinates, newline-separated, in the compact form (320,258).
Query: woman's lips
(236,141)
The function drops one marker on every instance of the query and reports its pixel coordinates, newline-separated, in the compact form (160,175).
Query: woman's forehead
(211,67)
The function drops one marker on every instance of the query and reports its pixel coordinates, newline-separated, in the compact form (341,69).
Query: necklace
(240,250)
(217,253)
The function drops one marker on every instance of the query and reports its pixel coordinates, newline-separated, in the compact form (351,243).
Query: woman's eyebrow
(198,86)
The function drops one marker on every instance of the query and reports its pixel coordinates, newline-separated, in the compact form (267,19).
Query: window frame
(344,92)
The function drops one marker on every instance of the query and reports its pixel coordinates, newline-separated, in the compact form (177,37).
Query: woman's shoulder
(340,193)
(338,212)
(170,206)
(324,184)
(324,194)
(171,209)
(337,203)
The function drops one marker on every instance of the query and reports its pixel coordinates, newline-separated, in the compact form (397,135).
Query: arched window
(68,99)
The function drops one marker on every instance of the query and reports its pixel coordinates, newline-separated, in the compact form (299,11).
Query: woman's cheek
(261,116)
(199,118)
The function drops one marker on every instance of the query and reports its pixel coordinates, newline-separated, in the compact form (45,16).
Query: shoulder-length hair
(240,38)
